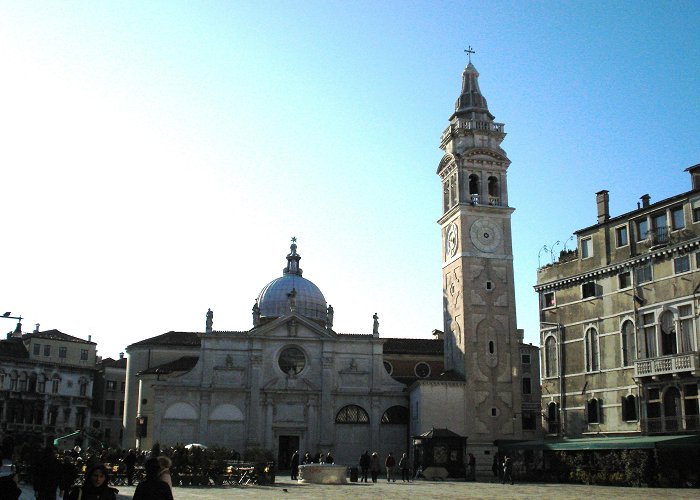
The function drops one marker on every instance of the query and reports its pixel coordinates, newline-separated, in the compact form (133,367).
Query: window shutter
(623,407)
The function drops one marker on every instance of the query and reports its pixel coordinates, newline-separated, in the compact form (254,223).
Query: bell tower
(481,336)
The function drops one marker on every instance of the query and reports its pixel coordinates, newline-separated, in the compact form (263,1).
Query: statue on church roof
(210,320)
(256,314)
(329,316)
(375,326)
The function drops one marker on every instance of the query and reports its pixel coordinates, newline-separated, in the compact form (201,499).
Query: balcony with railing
(474,125)
(661,425)
(666,365)
(476,199)
(657,236)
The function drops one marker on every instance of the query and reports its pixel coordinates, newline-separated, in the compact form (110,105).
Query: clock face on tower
(486,235)
(451,240)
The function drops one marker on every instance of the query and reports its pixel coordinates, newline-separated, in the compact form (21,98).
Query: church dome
(292,291)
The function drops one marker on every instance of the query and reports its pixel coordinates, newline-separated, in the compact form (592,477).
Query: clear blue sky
(156,157)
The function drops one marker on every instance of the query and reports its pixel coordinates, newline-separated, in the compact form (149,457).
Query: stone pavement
(285,488)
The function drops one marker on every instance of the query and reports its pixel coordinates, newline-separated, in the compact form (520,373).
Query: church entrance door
(287,446)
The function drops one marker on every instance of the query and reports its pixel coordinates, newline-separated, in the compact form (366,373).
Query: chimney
(121,355)
(89,338)
(694,175)
(645,200)
(36,329)
(602,200)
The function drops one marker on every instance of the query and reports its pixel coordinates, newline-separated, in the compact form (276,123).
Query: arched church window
(292,360)
(494,191)
(474,188)
(395,415)
(352,414)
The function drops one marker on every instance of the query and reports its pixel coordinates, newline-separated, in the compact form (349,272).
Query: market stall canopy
(606,443)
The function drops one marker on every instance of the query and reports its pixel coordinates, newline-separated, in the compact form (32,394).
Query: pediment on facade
(293,325)
(484,154)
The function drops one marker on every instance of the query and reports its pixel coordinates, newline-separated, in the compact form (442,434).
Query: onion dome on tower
(292,292)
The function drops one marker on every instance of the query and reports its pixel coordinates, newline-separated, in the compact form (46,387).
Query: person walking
(46,474)
(390,463)
(364,465)
(152,488)
(295,465)
(403,465)
(130,462)
(507,470)
(472,467)
(95,486)
(69,473)
(374,466)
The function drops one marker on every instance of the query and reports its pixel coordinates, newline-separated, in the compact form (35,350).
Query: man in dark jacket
(130,462)
(69,473)
(364,465)
(46,474)
(152,488)
(390,463)
(295,465)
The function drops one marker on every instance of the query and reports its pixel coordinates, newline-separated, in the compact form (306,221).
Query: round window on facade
(292,361)
(422,370)
(387,366)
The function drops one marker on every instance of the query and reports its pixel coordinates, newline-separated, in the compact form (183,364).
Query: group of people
(50,475)
(371,465)
(319,458)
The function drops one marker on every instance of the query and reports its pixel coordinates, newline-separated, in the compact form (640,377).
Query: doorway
(287,446)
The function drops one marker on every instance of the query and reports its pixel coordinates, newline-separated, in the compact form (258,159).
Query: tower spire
(471,103)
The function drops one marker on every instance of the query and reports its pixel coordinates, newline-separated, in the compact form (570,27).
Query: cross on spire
(470,51)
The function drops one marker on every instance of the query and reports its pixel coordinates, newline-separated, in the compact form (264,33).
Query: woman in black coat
(95,487)
(152,488)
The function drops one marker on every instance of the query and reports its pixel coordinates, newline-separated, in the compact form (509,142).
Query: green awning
(607,443)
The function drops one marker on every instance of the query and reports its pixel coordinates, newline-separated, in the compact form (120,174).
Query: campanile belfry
(481,336)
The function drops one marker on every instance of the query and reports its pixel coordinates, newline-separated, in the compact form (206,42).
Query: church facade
(292,382)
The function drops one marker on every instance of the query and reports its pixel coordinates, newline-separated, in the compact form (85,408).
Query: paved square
(285,488)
